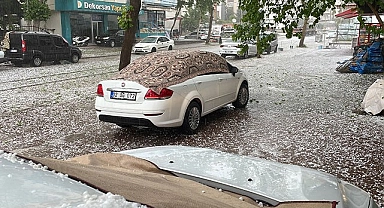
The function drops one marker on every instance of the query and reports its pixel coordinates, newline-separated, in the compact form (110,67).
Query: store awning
(348,13)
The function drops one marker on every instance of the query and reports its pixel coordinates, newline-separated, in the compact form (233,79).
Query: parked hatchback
(36,47)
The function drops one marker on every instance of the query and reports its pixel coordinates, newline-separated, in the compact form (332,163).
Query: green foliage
(192,17)
(125,19)
(288,12)
(37,10)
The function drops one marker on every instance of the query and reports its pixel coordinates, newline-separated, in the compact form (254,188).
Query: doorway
(97,29)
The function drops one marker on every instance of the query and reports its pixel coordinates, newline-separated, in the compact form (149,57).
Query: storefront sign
(98,6)
(89,6)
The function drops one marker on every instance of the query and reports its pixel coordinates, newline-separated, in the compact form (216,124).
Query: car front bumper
(141,50)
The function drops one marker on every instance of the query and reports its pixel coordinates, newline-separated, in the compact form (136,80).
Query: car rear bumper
(126,121)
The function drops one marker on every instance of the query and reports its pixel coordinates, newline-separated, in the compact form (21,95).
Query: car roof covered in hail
(163,69)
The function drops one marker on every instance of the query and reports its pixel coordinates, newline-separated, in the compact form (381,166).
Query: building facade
(72,18)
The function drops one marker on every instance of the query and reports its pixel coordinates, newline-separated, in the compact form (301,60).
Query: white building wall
(54,22)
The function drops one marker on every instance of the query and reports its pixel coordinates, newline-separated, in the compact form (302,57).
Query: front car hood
(144,45)
(264,180)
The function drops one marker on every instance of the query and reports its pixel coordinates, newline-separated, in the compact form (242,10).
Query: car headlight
(106,38)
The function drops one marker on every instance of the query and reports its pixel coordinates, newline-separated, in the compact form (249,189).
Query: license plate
(123,95)
(13,51)
(98,41)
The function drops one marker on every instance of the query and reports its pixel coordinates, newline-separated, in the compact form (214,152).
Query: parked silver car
(170,176)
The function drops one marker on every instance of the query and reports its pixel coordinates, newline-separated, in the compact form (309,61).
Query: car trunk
(15,45)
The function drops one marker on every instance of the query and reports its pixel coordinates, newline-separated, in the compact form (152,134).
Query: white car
(153,44)
(185,176)
(2,58)
(228,47)
(171,89)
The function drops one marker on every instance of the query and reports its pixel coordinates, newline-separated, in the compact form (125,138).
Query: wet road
(300,112)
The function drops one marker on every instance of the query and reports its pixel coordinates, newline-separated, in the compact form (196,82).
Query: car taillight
(100,92)
(23,46)
(164,94)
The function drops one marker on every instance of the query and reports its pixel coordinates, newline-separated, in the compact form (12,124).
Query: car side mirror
(233,69)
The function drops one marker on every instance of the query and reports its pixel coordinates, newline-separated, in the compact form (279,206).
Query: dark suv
(36,47)
(112,38)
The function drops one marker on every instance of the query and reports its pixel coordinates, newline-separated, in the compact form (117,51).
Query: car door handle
(221,79)
(199,82)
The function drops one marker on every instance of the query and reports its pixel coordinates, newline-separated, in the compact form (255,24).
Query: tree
(180,4)
(192,18)
(290,12)
(128,21)
(374,7)
(253,23)
(36,11)
(10,13)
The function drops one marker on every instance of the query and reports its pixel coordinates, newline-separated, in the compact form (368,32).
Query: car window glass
(149,40)
(45,40)
(58,41)
(31,40)
(120,33)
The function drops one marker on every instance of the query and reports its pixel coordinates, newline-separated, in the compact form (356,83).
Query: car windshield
(149,40)
(110,32)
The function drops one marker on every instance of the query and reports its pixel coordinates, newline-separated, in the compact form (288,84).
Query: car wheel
(246,55)
(242,96)
(192,118)
(112,43)
(170,48)
(222,55)
(153,49)
(275,51)
(269,50)
(75,58)
(36,61)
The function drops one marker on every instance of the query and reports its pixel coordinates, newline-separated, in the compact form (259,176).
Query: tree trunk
(129,37)
(210,24)
(174,21)
(259,48)
(303,32)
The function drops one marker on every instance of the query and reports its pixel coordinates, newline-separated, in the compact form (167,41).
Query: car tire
(153,50)
(246,55)
(275,51)
(222,55)
(269,50)
(192,118)
(242,96)
(170,48)
(112,44)
(36,61)
(75,58)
